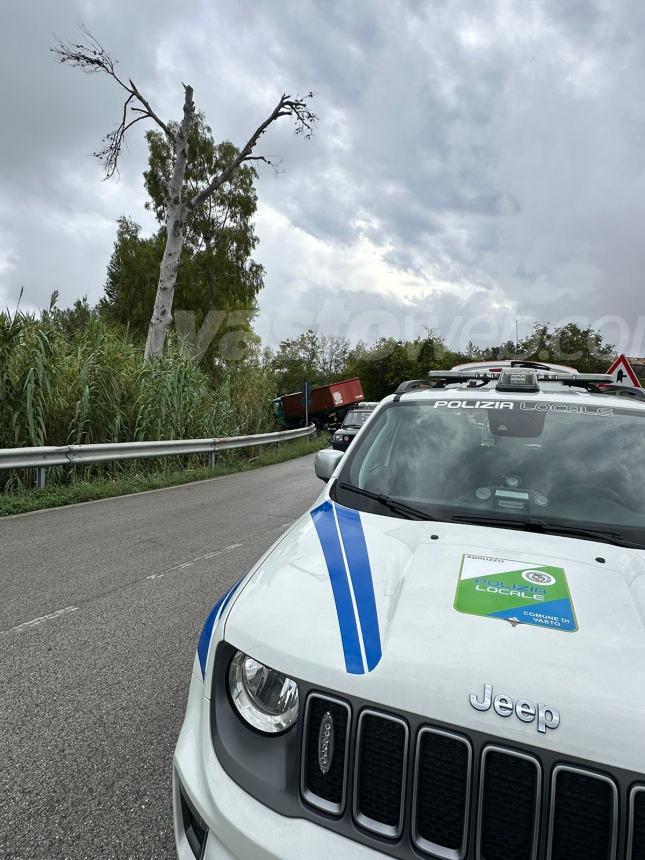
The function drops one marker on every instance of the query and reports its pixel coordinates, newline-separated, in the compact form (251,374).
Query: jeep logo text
(547,717)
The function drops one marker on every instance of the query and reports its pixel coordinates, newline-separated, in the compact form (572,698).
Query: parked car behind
(352,423)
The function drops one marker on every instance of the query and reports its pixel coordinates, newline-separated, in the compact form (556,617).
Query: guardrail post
(40,477)
(212,456)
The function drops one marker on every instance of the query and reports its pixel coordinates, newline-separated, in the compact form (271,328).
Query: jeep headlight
(267,700)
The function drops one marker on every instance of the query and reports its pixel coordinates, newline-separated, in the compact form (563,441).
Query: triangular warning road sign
(623,372)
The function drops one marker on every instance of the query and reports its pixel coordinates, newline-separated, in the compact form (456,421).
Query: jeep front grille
(583,820)
(326,791)
(636,836)
(509,781)
(442,780)
(423,790)
(380,772)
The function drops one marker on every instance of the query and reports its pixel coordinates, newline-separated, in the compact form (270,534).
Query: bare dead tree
(92,58)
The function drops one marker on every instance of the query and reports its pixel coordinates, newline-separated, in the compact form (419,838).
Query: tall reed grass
(92,385)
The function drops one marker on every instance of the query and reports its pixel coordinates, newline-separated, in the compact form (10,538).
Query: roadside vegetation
(77,376)
(65,380)
(69,377)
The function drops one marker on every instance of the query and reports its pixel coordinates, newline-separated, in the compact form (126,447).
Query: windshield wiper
(395,505)
(533,524)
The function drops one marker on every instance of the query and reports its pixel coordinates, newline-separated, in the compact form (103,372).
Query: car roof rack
(622,391)
(535,365)
(441,378)
(411,385)
(590,381)
(497,366)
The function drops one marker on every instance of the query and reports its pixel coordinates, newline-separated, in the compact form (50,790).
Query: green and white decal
(516,592)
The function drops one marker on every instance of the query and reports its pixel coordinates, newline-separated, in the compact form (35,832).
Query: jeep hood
(292,616)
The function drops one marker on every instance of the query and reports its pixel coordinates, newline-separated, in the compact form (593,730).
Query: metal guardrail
(41,458)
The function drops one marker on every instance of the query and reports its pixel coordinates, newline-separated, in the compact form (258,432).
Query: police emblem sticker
(516,592)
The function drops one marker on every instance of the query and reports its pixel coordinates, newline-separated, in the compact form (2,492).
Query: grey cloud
(497,145)
(580,18)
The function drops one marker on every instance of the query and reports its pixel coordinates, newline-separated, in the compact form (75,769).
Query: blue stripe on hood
(358,563)
(325,524)
(353,630)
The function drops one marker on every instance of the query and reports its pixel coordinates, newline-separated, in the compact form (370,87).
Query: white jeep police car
(445,657)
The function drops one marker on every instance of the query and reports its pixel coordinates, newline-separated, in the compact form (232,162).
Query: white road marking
(185,564)
(218,552)
(67,609)
(36,621)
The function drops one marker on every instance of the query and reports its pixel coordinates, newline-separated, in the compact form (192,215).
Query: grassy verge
(135,482)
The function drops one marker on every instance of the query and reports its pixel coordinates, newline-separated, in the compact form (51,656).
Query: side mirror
(325,462)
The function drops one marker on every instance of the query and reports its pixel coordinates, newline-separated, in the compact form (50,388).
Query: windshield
(356,418)
(521,462)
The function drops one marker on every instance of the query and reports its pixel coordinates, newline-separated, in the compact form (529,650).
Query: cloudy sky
(475,162)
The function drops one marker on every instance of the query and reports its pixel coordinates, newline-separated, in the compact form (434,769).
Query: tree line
(381,366)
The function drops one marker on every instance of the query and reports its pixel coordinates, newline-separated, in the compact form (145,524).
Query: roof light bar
(518,379)
(441,378)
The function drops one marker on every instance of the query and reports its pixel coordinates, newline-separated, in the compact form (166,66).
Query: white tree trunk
(175,231)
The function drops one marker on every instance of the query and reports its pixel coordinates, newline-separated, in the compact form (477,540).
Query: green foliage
(70,320)
(65,385)
(318,359)
(24,383)
(384,365)
(224,218)
(584,348)
(216,269)
(380,367)
(132,276)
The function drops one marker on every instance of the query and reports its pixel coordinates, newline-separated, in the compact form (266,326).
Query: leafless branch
(113,141)
(304,119)
(273,161)
(149,111)
(92,58)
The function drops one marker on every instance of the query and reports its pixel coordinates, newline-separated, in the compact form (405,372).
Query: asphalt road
(101,606)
